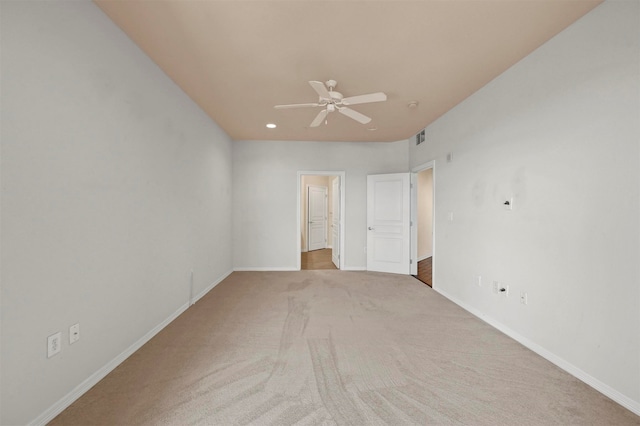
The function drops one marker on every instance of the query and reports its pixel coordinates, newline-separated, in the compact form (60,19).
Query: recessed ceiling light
(271,126)
(372,128)
(412,104)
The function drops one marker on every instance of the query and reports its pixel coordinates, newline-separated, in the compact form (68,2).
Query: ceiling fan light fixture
(334,101)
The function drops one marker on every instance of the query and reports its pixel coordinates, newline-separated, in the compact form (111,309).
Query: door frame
(414,215)
(335,236)
(342,174)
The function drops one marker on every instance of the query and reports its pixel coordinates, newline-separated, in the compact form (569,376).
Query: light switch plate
(74,333)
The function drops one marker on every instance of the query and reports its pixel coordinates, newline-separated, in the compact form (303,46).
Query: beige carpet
(334,347)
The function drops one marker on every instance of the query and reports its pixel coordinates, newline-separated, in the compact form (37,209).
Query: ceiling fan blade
(365,99)
(355,115)
(319,118)
(321,89)
(296,106)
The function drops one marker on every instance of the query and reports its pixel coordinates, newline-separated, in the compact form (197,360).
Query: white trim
(343,178)
(413,231)
(211,286)
(424,166)
(601,387)
(265,268)
(92,380)
(64,402)
(430,165)
(423,258)
(354,268)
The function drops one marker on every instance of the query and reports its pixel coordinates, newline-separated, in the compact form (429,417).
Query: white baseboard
(211,286)
(601,387)
(420,259)
(284,269)
(92,380)
(264,269)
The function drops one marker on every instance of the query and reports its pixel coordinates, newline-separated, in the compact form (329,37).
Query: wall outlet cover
(54,344)
(508,204)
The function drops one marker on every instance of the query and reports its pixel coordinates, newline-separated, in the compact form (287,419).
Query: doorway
(424,193)
(321,201)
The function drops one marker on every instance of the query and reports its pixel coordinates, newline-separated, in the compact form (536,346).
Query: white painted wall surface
(114,186)
(264,225)
(560,132)
(425,213)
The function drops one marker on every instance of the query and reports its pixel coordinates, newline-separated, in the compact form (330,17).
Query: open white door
(335,221)
(388,223)
(317,217)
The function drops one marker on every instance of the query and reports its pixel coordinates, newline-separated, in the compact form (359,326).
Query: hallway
(317,259)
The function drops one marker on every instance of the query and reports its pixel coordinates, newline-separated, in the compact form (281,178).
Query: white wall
(560,132)
(264,225)
(425,213)
(114,186)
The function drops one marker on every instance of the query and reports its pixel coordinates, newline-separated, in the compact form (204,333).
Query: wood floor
(317,259)
(424,272)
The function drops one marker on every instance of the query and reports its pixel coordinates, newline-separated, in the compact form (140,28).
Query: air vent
(420,137)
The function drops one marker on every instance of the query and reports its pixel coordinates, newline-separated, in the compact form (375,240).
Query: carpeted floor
(334,347)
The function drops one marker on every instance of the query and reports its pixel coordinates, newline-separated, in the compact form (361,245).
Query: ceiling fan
(331,101)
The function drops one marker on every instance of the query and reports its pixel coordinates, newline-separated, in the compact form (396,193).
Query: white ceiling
(237,59)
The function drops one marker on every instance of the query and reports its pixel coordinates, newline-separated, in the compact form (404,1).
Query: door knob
(371,229)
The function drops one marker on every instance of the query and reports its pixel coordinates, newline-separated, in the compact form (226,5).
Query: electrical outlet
(500,288)
(508,204)
(524,299)
(54,344)
(74,333)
